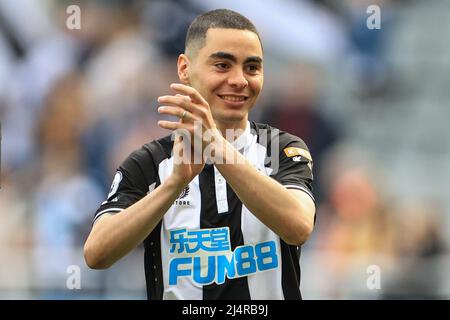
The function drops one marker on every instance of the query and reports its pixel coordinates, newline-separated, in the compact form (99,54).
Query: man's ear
(183,68)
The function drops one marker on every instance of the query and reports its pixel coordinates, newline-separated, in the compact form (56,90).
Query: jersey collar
(244,140)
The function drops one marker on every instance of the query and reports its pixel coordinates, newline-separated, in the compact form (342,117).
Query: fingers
(177,101)
(175,125)
(187,98)
(189,91)
(177,112)
(187,104)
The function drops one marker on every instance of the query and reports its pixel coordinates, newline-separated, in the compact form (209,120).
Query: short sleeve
(134,178)
(295,165)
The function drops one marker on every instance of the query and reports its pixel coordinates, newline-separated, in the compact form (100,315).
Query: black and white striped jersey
(208,244)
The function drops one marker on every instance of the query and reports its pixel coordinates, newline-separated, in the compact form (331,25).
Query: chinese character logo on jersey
(205,256)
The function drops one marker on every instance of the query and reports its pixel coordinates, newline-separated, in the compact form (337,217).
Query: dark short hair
(219,18)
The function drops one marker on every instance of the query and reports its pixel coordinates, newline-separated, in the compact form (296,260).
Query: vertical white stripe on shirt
(221,192)
(267,284)
(175,218)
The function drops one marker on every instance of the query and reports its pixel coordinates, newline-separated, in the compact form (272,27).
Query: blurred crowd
(74,103)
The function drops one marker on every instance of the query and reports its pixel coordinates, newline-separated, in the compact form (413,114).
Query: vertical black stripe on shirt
(158,150)
(237,288)
(153,264)
(290,272)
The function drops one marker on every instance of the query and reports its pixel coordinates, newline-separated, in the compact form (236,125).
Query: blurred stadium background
(372,105)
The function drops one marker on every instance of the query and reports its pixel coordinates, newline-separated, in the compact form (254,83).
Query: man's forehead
(233,41)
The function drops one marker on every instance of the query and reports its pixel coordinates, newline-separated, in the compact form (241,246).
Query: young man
(227,223)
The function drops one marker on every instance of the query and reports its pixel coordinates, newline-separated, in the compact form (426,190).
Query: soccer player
(219,218)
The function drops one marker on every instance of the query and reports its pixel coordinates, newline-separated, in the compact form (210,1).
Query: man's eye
(252,68)
(221,65)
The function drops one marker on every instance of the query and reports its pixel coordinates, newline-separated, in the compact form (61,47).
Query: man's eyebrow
(223,55)
(254,59)
(229,56)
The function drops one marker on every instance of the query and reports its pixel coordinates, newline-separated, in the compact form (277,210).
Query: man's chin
(231,116)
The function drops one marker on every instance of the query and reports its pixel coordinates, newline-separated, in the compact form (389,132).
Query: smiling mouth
(233,98)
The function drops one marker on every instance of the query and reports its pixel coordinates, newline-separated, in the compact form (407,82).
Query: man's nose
(237,79)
